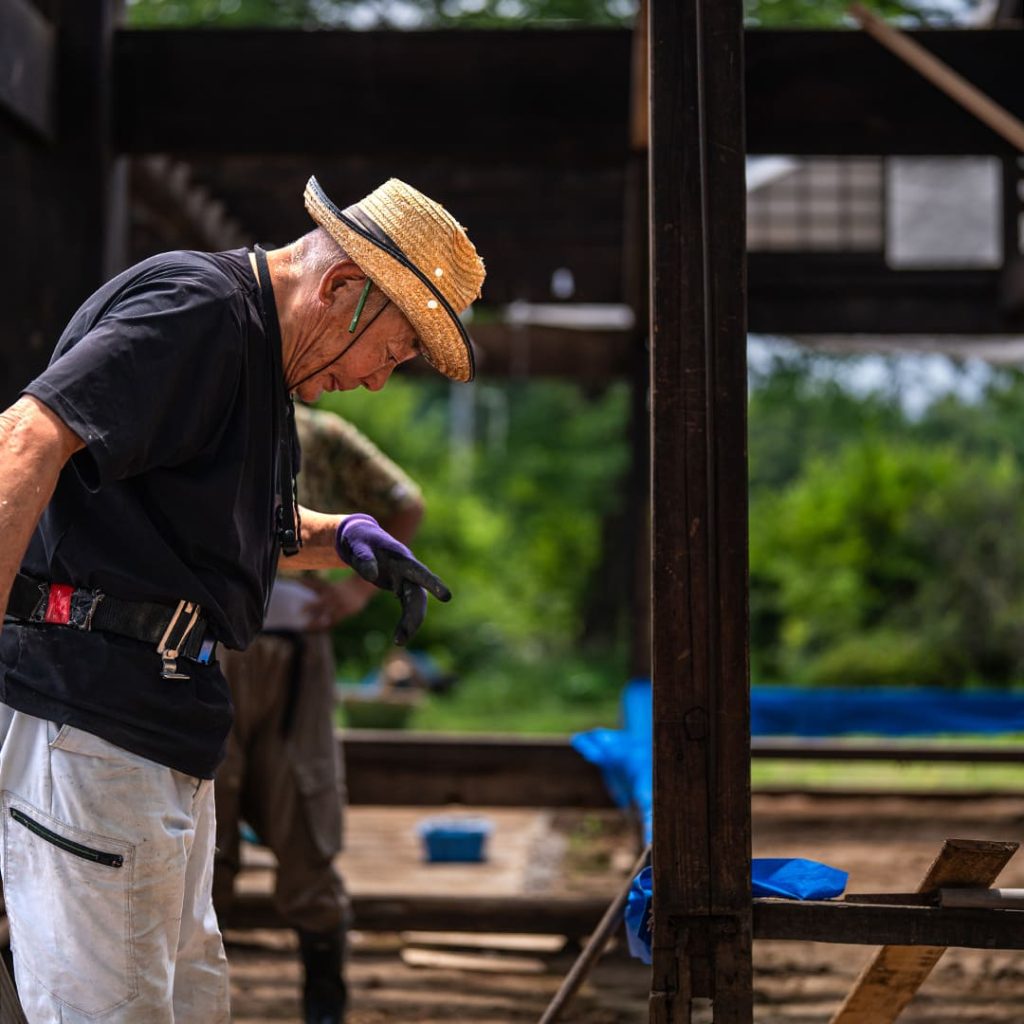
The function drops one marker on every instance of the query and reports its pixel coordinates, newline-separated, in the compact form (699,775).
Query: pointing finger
(414,610)
(419,574)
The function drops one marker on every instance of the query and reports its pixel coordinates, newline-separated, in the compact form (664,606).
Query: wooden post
(702,896)
(637,290)
(941,75)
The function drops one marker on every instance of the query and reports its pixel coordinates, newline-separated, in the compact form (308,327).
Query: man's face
(340,360)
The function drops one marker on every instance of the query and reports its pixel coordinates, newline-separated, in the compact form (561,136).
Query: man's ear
(337,276)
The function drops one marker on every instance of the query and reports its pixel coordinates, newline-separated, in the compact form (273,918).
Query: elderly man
(148,492)
(282,773)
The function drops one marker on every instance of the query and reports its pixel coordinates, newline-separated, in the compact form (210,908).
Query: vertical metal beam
(702,912)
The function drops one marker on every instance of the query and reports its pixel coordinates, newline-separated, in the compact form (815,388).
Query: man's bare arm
(34,446)
(317,551)
(319,529)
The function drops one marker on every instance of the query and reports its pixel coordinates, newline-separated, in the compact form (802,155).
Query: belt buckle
(170,646)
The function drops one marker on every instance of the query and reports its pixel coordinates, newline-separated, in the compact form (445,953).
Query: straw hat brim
(443,338)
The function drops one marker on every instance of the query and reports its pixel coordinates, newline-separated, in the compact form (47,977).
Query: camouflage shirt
(343,471)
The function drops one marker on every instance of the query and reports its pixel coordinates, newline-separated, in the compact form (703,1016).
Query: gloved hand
(386,562)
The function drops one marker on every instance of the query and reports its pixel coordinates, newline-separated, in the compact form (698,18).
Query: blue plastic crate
(455,840)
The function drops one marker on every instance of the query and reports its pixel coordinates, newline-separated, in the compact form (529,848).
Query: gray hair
(317,251)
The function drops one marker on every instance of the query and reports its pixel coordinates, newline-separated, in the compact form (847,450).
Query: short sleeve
(148,385)
(343,471)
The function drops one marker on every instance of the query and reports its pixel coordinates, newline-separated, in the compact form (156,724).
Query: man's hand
(380,559)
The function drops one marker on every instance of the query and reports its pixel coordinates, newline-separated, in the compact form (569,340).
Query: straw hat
(419,256)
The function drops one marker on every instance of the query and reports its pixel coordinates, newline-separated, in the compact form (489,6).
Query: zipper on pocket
(112,860)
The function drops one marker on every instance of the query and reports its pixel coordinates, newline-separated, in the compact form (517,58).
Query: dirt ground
(885,843)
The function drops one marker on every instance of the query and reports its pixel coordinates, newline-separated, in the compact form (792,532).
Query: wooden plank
(386,768)
(516,915)
(889,982)
(701,934)
(941,75)
(866,101)
(428,769)
(914,930)
(27,45)
(191,91)
(837,293)
(830,921)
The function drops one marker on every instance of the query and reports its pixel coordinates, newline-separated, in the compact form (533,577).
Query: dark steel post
(702,910)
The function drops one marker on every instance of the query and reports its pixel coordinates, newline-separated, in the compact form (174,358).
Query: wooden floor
(885,844)
(427,977)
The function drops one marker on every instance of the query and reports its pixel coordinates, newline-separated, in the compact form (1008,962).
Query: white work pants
(107,870)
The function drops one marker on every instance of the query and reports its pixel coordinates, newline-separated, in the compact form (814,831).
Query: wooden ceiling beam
(488,97)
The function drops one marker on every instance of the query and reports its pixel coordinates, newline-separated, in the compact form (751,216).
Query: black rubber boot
(324,996)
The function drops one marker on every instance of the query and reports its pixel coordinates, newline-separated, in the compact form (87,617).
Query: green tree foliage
(832,13)
(380,13)
(513,521)
(492,13)
(885,549)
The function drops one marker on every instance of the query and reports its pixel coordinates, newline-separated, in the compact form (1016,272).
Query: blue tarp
(624,756)
(789,878)
(879,711)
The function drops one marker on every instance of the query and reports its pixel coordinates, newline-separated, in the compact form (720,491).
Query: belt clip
(168,653)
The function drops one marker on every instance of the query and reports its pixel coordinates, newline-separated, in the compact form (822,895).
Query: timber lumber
(518,915)
(890,981)
(384,768)
(192,91)
(915,930)
(915,926)
(388,768)
(941,75)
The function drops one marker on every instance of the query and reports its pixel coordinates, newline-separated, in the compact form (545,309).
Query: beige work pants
(284,779)
(107,868)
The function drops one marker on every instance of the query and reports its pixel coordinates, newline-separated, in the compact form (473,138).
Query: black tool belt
(175,632)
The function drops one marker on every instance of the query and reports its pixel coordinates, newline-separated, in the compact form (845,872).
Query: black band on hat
(368,229)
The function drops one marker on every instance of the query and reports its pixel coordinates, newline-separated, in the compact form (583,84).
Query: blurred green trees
(410,14)
(514,514)
(885,548)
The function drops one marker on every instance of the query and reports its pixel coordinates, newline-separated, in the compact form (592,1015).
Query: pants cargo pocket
(68,895)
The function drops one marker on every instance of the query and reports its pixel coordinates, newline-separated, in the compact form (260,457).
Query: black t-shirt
(166,374)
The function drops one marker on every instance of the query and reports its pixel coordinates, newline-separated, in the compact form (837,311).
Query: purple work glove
(380,559)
